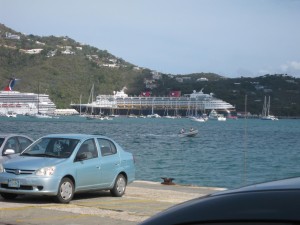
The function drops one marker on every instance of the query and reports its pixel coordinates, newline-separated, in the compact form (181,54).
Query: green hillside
(63,76)
(66,69)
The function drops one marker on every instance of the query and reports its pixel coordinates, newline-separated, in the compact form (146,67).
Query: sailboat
(266,111)
(39,114)
(92,115)
(153,115)
(80,108)
(196,117)
(91,102)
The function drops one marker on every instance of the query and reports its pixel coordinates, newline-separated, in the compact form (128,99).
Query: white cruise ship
(24,103)
(187,105)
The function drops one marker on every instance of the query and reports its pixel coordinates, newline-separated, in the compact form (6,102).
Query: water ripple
(226,154)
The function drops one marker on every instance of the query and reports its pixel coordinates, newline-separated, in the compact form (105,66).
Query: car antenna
(245,142)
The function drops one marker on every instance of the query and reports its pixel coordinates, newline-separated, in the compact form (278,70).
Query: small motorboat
(192,133)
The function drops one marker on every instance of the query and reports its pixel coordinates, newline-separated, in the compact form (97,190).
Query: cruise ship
(14,102)
(120,103)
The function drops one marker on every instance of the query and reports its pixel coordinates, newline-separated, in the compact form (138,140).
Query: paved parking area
(142,200)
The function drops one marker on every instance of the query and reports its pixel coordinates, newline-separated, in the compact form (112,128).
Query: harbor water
(224,154)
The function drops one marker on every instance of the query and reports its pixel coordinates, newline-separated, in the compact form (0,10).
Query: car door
(110,161)
(88,168)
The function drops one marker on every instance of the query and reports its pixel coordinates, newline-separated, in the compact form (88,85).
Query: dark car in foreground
(61,165)
(11,144)
(276,202)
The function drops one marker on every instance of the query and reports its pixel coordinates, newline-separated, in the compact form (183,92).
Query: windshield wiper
(48,155)
(41,155)
(25,153)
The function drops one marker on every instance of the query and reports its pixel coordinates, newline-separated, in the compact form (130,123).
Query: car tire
(65,191)
(119,186)
(8,196)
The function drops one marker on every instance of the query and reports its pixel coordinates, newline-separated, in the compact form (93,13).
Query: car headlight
(46,171)
(1,168)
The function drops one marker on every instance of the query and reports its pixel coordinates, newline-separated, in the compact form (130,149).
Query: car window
(12,143)
(24,143)
(89,149)
(106,147)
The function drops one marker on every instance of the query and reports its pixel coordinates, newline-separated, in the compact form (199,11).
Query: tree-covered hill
(63,76)
(283,90)
(66,69)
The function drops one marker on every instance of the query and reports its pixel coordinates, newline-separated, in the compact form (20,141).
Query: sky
(232,38)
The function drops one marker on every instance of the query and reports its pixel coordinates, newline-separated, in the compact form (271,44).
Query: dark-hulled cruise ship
(176,105)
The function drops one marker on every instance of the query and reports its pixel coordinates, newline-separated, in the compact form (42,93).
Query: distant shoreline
(279,117)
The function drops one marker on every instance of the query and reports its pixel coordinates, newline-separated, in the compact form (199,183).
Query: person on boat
(182,131)
(192,129)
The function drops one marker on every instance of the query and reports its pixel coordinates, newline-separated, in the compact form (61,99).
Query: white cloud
(264,72)
(291,66)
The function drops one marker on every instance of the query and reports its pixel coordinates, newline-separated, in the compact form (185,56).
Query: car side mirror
(9,151)
(81,157)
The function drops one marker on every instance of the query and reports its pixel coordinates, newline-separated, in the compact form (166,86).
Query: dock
(141,200)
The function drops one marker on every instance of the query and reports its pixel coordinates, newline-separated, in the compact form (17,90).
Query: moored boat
(11,114)
(266,111)
(221,117)
(198,119)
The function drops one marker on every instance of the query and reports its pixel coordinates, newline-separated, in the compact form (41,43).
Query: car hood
(31,163)
(7,157)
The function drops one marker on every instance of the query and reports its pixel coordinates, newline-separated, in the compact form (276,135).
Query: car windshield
(52,147)
(1,141)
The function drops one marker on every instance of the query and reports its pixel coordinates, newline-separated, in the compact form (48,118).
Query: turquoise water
(224,154)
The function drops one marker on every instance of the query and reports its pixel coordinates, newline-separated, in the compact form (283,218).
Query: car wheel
(8,196)
(65,191)
(119,187)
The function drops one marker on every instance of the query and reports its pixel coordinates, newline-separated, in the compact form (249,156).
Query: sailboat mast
(264,110)
(80,104)
(38,100)
(269,105)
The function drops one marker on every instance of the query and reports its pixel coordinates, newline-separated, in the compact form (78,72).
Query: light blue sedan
(60,165)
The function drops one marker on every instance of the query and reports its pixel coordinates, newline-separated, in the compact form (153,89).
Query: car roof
(5,135)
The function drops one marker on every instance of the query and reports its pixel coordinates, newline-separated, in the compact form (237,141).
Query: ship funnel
(10,85)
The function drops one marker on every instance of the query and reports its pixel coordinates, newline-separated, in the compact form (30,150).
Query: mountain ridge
(66,69)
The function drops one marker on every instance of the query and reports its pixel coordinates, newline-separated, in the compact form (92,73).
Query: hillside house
(32,51)
(12,36)
(202,79)
(179,79)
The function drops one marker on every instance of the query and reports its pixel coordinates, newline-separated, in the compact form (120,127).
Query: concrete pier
(142,200)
